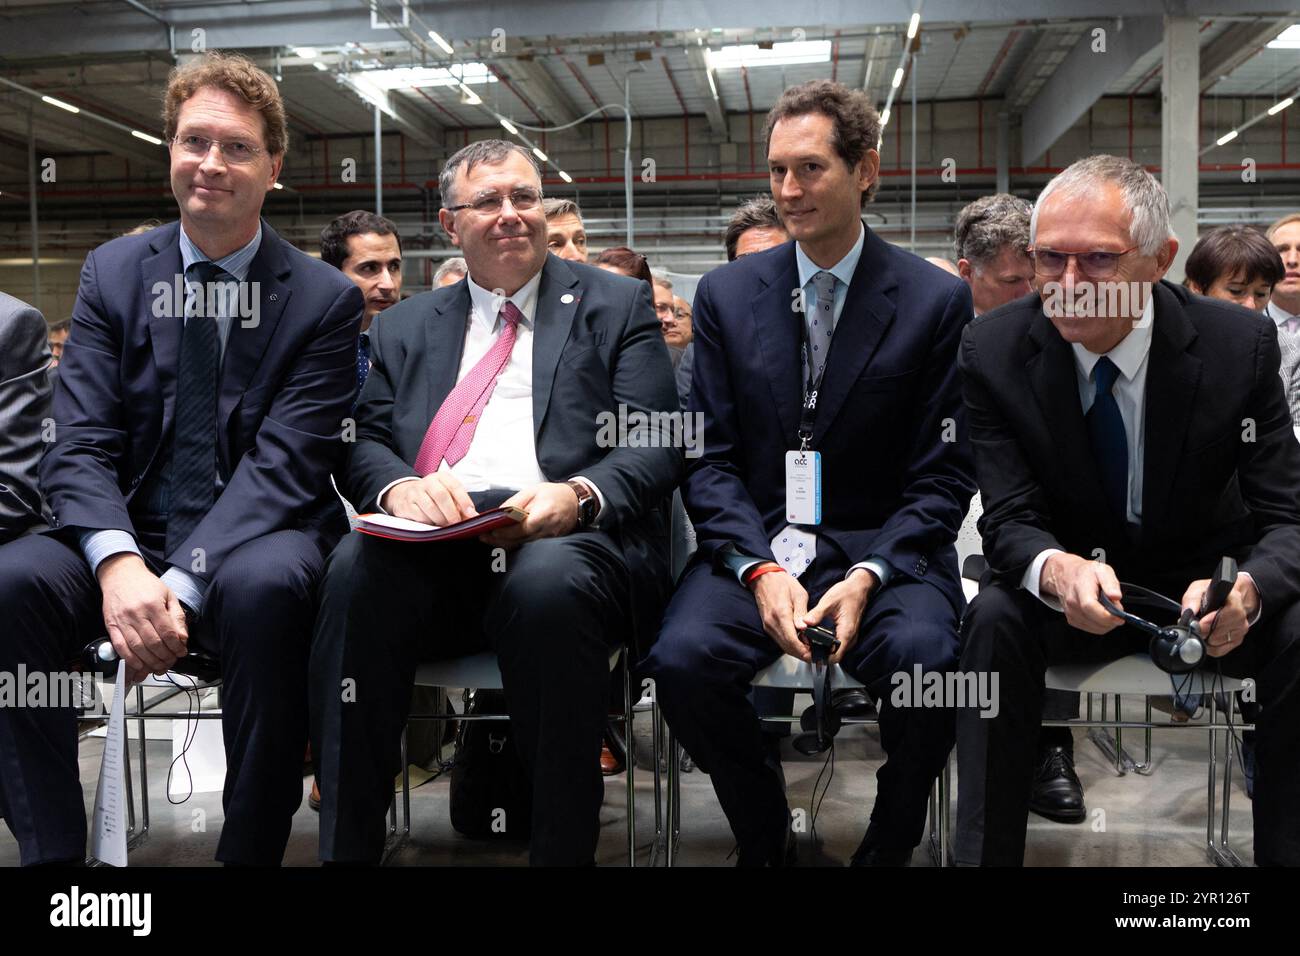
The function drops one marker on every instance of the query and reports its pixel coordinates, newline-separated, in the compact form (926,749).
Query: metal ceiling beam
(708,86)
(1081,79)
(334,22)
(70,132)
(1235,45)
(543,92)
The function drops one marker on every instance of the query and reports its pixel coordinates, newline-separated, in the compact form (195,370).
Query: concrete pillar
(1179,131)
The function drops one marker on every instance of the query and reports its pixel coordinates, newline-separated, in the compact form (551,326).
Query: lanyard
(808,410)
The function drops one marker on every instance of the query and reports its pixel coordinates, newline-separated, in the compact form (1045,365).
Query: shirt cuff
(740,564)
(97,546)
(388,487)
(1032,577)
(878,566)
(591,485)
(186,587)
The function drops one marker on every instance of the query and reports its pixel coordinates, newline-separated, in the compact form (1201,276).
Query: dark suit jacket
(897,476)
(600,351)
(24,406)
(1207,490)
(286,387)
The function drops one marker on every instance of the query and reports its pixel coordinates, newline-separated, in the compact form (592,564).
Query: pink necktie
(452,429)
(1292,324)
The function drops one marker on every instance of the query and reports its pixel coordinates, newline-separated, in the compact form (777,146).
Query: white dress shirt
(503,451)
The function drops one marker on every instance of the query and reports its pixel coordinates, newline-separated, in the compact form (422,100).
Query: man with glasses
(199,415)
(1124,430)
(484,393)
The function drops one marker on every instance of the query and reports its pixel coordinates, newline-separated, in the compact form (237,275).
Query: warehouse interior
(650,115)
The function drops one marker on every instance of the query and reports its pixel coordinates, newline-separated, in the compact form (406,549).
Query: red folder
(403,529)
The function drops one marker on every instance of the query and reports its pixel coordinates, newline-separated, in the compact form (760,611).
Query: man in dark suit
(198,418)
(494,389)
(24,406)
(886,419)
(1124,430)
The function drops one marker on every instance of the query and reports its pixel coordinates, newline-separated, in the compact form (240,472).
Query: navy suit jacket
(596,347)
(286,387)
(897,472)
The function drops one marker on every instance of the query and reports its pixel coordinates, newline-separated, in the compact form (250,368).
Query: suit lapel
(163,280)
(1172,379)
(444,341)
(776,329)
(552,323)
(268,275)
(1054,378)
(867,314)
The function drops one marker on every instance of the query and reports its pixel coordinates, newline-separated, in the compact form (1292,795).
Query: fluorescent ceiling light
(510,127)
(884,118)
(469,97)
(306,52)
(410,77)
(368,91)
(565,176)
(146,137)
(61,105)
(320,66)
(1288,39)
(437,38)
(898,78)
(539,154)
(749,55)
(1273,111)
(913,25)
(1226,138)
(277,186)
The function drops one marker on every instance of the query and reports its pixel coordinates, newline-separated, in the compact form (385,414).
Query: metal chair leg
(674,799)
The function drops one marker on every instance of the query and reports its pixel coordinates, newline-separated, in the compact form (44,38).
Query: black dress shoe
(782,852)
(868,854)
(1057,793)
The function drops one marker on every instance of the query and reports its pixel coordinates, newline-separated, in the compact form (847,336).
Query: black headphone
(819,723)
(1177,648)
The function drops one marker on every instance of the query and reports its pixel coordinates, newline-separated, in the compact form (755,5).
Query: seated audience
(1234,263)
(625,262)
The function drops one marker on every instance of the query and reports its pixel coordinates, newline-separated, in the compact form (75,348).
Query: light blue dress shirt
(102,544)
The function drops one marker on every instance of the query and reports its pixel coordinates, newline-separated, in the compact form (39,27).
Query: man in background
(754,226)
(25,392)
(450,272)
(566,236)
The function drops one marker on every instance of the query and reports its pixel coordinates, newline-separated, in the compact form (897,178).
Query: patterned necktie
(363,365)
(1109,440)
(452,429)
(821,326)
(194,445)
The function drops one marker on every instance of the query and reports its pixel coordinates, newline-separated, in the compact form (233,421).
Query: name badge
(803,487)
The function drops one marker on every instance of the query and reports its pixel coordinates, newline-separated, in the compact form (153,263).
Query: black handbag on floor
(491,791)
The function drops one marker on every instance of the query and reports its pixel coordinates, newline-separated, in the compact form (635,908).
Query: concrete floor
(1156,820)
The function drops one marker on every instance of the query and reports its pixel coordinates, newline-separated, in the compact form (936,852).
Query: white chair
(1137,675)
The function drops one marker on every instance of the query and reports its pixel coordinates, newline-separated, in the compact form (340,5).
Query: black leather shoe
(869,855)
(1057,793)
(771,853)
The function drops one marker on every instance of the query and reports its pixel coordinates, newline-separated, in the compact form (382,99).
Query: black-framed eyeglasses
(491,203)
(234,152)
(1051,263)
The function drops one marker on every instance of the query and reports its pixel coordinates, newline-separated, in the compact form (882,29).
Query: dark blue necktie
(1109,440)
(194,446)
(363,365)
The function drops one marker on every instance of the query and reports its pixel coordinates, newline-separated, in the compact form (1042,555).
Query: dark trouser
(1012,633)
(711,645)
(551,617)
(1058,705)
(257,618)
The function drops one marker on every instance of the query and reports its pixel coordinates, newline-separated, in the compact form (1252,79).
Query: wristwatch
(588,503)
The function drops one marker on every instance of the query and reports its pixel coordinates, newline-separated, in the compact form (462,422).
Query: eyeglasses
(663,308)
(520,199)
(682,313)
(235,153)
(1051,263)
